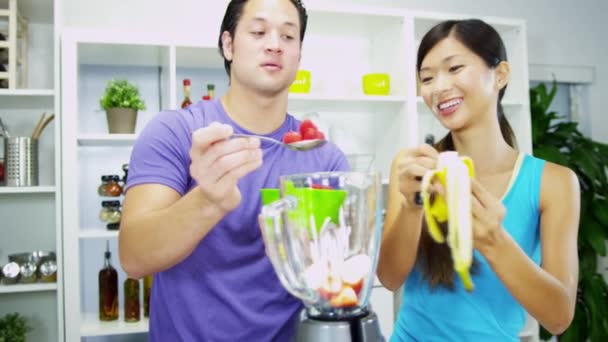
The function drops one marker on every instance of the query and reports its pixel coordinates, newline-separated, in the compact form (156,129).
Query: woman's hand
(412,164)
(488,214)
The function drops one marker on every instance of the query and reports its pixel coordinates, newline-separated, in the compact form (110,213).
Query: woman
(525,210)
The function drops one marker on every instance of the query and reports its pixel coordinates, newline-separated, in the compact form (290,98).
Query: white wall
(568,32)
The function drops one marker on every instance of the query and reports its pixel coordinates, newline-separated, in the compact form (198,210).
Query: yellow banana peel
(454,174)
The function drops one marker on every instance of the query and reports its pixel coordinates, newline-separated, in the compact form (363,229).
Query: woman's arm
(547,292)
(402,225)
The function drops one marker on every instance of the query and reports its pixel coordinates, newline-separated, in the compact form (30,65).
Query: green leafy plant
(13,328)
(121,94)
(561,142)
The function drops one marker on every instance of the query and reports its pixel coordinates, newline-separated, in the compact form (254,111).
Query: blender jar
(322,237)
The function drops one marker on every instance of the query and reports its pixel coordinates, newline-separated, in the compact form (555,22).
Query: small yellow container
(376,84)
(301,84)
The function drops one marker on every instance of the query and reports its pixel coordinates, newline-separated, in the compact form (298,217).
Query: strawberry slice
(354,270)
(345,299)
(330,288)
(310,133)
(291,137)
(305,125)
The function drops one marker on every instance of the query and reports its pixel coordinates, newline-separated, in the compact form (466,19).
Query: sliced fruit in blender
(330,288)
(354,270)
(345,299)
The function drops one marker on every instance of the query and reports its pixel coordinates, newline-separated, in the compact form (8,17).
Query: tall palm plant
(562,143)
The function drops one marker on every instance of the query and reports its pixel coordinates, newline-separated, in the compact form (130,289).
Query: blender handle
(274,241)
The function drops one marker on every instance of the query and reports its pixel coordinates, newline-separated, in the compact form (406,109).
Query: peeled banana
(454,173)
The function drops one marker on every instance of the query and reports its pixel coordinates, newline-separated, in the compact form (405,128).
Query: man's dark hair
(233,14)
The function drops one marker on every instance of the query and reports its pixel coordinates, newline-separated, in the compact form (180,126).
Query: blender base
(360,329)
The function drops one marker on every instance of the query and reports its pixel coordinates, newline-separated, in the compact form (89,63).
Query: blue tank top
(489,313)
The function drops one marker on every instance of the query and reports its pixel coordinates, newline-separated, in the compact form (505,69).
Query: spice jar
(115,213)
(131,300)
(101,190)
(110,211)
(113,189)
(48,271)
(109,186)
(10,272)
(28,273)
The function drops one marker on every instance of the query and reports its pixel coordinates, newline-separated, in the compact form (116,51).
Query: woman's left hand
(488,214)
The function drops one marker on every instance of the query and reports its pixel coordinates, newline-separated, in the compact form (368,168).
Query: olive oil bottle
(108,289)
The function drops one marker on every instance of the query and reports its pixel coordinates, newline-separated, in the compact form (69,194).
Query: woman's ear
(503,72)
(227,45)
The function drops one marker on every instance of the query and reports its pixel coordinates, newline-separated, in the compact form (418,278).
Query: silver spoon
(302,145)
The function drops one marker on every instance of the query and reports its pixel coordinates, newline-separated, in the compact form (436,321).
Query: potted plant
(562,143)
(13,328)
(121,101)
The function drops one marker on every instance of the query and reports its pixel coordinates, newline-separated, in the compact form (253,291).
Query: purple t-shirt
(226,290)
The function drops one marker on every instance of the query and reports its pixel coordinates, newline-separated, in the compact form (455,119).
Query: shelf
(26,189)
(27,92)
(123,54)
(97,233)
(92,326)
(17,288)
(309,103)
(106,140)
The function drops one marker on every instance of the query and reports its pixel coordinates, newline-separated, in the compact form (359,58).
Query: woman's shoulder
(558,183)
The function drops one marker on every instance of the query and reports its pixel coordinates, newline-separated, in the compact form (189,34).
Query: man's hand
(218,163)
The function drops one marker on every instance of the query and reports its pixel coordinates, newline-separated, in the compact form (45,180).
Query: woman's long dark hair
(482,39)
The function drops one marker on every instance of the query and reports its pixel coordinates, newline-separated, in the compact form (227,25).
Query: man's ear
(227,45)
(503,73)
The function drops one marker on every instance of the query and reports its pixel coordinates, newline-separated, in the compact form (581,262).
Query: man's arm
(159,228)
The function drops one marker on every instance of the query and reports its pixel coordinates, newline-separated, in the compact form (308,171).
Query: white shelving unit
(374,39)
(17,288)
(31,216)
(91,326)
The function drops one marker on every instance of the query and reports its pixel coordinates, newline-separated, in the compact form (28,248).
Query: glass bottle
(186,101)
(131,294)
(211,91)
(147,292)
(108,289)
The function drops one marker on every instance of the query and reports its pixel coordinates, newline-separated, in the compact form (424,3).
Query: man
(190,211)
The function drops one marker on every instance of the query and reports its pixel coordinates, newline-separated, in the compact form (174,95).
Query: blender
(322,233)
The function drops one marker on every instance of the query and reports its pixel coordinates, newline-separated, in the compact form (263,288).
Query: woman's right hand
(218,162)
(411,165)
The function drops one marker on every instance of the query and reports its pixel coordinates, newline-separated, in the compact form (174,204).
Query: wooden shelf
(92,326)
(18,288)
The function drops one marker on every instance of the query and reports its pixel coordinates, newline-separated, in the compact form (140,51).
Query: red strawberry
(291,137)
(320,135)
(305,125)
(310,133)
